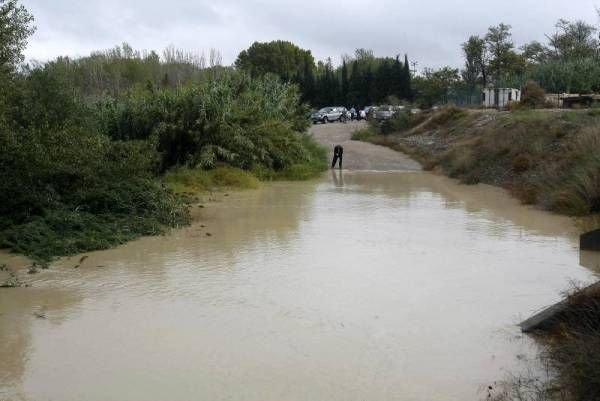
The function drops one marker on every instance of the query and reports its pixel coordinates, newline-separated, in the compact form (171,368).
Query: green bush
(533,97)
(234,120)
(69,191)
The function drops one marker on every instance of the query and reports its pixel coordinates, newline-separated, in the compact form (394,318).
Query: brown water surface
(359,286)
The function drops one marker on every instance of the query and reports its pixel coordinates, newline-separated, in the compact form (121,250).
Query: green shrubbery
(400,122)
(68,191)
(82,174)
(572,76)
(244,123)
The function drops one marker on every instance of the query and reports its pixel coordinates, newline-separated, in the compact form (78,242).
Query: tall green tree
(534,52)
(433,87)
(354,86)
(407,92)
(279,57)
(398,78)
(344,84)
(15,29)
(383,82)
(574,40)
(475,54)
(503,58)
(308,84)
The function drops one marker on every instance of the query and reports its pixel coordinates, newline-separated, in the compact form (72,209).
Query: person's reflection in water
(338,178)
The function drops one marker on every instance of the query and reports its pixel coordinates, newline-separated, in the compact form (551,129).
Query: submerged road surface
(361,155)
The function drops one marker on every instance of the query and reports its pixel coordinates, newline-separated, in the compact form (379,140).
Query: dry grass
(581,194)
(447,115)
(547,158)
(570,360)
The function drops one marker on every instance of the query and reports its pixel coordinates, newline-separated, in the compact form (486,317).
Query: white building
(500,97)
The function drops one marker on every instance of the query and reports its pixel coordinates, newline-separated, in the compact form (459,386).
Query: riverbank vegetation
(96,149)
(570,356)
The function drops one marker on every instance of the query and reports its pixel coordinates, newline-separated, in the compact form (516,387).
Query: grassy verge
(546,158)
(183,180)
(364,134)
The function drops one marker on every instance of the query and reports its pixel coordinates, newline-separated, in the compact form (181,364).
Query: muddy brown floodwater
(357,286)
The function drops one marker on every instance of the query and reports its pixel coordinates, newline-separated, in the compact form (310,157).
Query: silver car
(329,114)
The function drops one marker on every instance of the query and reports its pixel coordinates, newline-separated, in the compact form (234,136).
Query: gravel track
(361,155)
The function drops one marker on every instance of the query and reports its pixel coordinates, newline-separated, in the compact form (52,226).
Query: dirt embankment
(549,158)
(361,155)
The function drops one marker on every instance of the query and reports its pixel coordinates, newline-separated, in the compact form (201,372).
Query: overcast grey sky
(430,31)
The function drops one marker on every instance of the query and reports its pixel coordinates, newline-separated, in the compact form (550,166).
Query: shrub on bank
(533,95)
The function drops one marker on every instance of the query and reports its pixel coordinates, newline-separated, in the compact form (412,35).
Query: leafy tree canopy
(15,28)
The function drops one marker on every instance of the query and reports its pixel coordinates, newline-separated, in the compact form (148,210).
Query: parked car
(383,113)
(329,114)
(369,112)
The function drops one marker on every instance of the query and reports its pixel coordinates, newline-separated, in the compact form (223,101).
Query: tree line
(361,79)
(569,62)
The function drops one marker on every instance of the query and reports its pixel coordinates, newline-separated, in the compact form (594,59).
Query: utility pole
(414,65)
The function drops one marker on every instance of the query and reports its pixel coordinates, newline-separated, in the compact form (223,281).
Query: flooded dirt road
(361,155)
(357,286)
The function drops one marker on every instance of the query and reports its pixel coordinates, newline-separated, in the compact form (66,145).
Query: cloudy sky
(430,31)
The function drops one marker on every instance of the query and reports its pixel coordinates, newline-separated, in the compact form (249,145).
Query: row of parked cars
(341,114)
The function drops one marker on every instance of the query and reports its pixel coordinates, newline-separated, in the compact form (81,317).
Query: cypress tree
(398,86)
(308,84)
(354,87)
(408,93)
(367,88)
(344,92)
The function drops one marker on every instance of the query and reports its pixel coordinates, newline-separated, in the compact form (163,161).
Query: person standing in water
(338,153)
